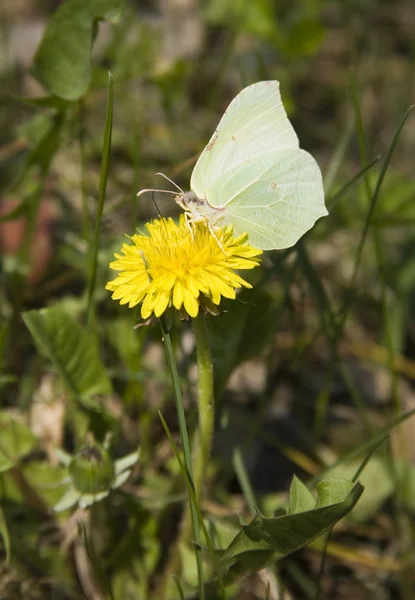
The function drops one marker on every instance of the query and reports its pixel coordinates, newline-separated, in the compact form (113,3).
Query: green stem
(177,395)
(186,450)
(86,230)
(203,442)
(106,152)
(135,159)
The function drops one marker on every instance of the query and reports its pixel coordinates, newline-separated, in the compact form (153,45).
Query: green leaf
(4,532)
(44,101)
(301,499)
(73,351)
(43,134)
(44,151)
(263,539)
(16,440)
(377,479)
(46,480)
(256,17)
(63,60)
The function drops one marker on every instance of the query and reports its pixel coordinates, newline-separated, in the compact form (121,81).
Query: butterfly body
(198,209)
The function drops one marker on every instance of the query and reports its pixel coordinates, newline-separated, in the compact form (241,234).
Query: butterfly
(254,176)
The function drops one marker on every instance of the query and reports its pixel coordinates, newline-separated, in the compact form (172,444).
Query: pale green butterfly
(254,176)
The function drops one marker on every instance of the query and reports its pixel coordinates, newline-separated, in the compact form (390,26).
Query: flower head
(180,265)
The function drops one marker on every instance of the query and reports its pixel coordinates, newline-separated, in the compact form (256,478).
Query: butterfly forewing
(254,123)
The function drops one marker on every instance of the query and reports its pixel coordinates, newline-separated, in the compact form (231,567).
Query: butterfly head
(198,210)
(192,206)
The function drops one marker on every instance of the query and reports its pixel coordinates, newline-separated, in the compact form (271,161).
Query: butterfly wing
(254,123)
(275,200)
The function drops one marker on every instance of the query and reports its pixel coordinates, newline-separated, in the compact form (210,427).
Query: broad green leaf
(44,102)
(5,462)
(43,136)
(4,532)
(264,539)
(256,17)
(73,351)
(48,144)
(301,499)
(16,440)
(63,60)
(47,480)
(379,481)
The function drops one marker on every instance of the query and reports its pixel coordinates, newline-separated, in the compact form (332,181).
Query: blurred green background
(310,365)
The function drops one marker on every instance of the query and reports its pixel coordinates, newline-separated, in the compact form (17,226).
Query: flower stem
(186,448)
(203,441)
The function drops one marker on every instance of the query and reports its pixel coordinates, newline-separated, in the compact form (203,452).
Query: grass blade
(106,153)
(343,191)
(338,157)
(243,478)
(368,446)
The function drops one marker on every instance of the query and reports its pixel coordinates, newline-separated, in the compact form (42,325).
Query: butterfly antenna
(156,205)
(172,182)
(161,191)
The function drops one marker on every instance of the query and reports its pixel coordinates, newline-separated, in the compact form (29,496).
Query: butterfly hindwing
(275,200)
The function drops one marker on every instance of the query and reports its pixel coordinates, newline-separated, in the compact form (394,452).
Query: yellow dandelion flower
(179,266)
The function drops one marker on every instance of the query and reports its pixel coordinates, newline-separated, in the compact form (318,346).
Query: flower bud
(92,469)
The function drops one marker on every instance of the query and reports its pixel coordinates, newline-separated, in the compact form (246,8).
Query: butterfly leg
(212,231)
(215,237)
(191,218)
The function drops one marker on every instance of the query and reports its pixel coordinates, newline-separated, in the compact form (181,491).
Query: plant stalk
(191,519)
(203,441)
